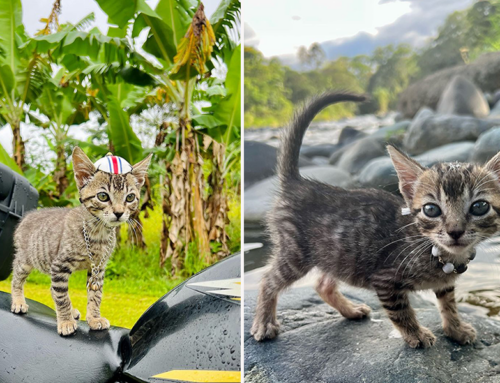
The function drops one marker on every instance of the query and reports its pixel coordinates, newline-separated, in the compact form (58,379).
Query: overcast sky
(345,28)
(75,10)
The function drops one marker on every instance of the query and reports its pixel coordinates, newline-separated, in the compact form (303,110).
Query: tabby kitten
(375,240)
(53,240)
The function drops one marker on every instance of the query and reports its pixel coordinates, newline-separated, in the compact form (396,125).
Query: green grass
(134,279)
(133,282)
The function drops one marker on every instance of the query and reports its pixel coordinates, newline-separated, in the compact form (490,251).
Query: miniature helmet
(113,164)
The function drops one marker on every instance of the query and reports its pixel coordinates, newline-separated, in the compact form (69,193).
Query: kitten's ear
(83,168)
(494,165)
(140,170)
(408,172)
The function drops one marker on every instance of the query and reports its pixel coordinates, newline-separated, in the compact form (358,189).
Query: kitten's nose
(456,234)
(118,215)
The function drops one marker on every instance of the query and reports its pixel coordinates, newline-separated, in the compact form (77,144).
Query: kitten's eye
(431,210)
(103,197)
(130,197)
(479,208)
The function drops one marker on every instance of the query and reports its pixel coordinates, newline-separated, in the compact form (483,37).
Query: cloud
(251,38)
(415,28)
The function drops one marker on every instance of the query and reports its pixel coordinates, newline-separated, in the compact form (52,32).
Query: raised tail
(291,139)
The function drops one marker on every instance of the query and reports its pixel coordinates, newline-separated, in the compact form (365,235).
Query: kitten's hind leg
(281,276)
(20,273)
(327,289)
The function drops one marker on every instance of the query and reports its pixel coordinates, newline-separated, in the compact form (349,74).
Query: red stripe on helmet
(115,164)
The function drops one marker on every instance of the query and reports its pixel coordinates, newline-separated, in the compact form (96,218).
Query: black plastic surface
(17,197)
(185,330)
(188,329)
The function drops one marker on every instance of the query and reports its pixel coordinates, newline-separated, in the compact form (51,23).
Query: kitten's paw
(98,323)
(462,334)
(424,338)
(75,313)
(19,306)
(358,312)
(264,330)
(66,327)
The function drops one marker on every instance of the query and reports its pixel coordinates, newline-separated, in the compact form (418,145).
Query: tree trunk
(60,176)
(18,145)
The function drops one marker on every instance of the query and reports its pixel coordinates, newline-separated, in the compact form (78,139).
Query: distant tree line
(272,89)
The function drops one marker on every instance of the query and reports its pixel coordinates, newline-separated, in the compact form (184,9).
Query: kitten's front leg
(60,271)
(94,296)
(399,311)
(453,326)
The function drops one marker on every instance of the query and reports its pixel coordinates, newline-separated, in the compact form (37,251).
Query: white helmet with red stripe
(113,164)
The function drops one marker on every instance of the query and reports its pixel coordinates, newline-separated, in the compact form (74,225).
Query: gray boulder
(496,97)
(359,154)
(459,151)
(486,146)
(462,97)
(380,173)
(428,130)
(349,134)
(355,155)
(260,162)
(324,150)
(495,112)
(259,197)
(484,72)
(316,344)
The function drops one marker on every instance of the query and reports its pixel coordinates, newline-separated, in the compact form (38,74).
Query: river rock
(325,150)
(360,153)
(260,162)
(495,112)
(429,130)
(316,344)
(354,156)
(259,197)
(484,72)
(462,97)
(486,146)
(380,173)
(349,134)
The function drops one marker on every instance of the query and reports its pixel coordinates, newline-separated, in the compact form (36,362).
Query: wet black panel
(17,197)
(189,329)
(32,351)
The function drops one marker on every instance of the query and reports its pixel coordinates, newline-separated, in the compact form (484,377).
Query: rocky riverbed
(317,345)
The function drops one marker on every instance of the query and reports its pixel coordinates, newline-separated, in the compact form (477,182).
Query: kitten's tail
(291,139)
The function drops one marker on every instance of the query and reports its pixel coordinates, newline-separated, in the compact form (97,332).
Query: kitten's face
(112,198)
(455,205)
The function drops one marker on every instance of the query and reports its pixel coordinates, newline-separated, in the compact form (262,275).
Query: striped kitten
(362,238)
(53,240)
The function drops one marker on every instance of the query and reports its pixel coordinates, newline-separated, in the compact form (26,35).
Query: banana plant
(22,74)
(187,48)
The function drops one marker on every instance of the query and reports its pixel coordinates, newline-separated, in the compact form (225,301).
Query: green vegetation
(177,95)
(273,90)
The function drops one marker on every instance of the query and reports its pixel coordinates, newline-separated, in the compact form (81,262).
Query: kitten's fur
(362,238)
(52,241)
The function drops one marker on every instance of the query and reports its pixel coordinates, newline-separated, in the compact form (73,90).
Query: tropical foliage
(272,89)
(175,93)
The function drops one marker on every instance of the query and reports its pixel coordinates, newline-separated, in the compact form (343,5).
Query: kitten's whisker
(405,226)
(409,254)
(422,248)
